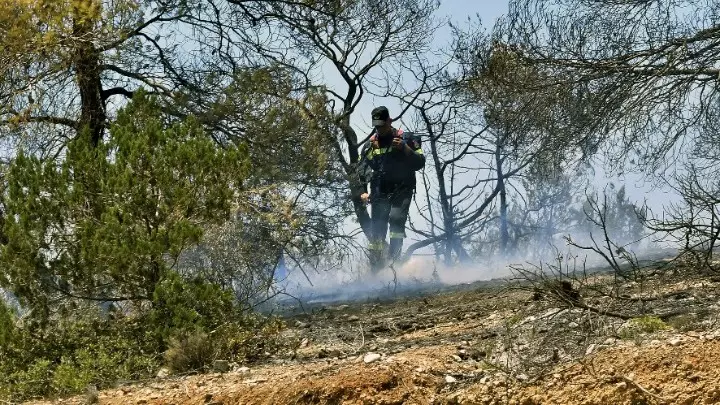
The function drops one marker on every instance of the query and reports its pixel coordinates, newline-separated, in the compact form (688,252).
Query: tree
(483,125)
(108,222)
(649,68)
(523,119)
(67,66)
(63,61)
(356,40)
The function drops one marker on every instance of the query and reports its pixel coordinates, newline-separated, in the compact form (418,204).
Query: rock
(675,342)
(305,342)
(485,380)
(456,358)
(609,341)
(655,343)
(419,370)
(621,385)
(573,325)
(221,366)
(371,357)
(450,379)
(353,318)
(301,325)
(91,395)
(163,372)
(326,353)
(255,381)
(522,377)
(590,349)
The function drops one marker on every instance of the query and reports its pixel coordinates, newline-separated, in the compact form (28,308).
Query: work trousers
(388,211)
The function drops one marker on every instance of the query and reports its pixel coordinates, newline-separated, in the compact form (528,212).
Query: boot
(396,245)
(376,255)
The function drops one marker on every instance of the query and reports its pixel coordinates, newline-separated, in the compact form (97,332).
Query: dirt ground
(481,345)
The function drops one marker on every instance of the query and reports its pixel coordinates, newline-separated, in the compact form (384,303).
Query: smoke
(357,283)
(428,273)
(354,283)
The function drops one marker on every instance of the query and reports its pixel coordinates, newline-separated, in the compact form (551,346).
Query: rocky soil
(654,341)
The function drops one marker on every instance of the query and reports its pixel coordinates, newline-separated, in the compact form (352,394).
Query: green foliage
(87,348)
(640,325)
(108,221)
(200,322)
(191,324)
(7,324)
(181,306)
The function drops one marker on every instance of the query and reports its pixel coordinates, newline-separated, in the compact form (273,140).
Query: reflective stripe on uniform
(397,235)
(375,152)
(376,246)
(380,151)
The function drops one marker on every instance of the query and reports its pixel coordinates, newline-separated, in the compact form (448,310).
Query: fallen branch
(640,388)
(362,335)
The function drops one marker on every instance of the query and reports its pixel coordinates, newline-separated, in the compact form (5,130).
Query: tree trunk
(356,188)
(504,232)
(87,71)
(448,218)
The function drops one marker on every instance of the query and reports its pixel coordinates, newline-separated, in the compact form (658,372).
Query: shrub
(70,354)
(190,324)
(643,324)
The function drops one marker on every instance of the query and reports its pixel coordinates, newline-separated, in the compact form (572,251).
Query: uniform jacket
(387,169)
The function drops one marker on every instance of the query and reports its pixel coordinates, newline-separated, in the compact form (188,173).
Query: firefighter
(390,161)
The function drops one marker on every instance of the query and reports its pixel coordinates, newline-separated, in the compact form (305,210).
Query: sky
(458,11)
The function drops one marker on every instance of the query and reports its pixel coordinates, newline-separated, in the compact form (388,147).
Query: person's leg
(399,209)
(379,214)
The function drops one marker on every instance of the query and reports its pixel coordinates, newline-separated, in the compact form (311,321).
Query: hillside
(478,344)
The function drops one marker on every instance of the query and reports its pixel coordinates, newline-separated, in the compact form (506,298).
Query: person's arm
(417,157)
